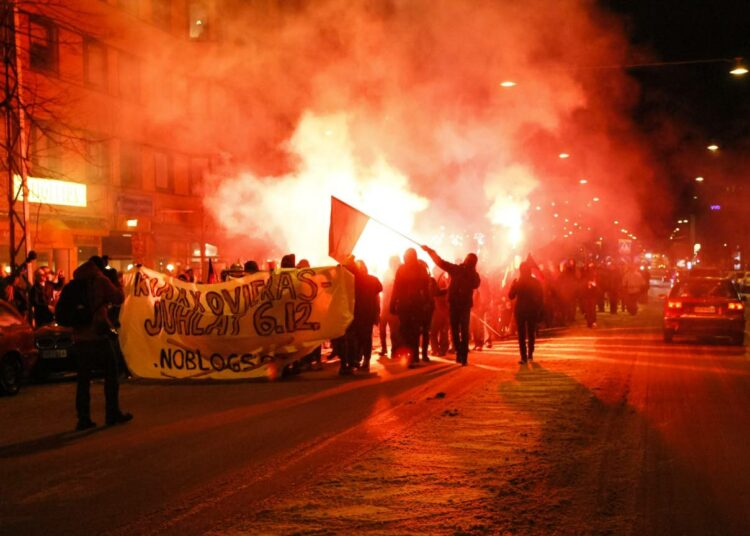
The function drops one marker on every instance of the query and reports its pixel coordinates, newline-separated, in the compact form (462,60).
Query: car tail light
(674,305)
(736,306)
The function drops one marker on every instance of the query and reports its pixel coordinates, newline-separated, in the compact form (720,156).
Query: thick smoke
(397,107)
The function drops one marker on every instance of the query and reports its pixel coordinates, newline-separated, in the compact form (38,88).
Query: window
(197,174)
(97,160)
(130,165)
(42,44)
(162,171)
(45,151)
(131,6)
(197,20)
(128,77)
(161,13)
(94,64)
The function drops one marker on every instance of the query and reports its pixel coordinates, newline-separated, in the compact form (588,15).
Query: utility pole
(14,157)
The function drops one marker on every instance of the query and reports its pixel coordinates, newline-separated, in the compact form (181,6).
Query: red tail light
(674,304)
(736,306)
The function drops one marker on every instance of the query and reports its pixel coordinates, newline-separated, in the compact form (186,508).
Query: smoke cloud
(397,107)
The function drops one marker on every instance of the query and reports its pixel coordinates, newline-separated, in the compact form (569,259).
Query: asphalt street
(609,431)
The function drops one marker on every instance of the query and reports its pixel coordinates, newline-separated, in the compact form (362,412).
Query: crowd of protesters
(419,312)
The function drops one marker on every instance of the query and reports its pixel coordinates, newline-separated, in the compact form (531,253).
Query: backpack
(75,308)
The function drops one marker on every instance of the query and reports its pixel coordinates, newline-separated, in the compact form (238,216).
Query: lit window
(95,64)
(198,170)
(129,77)
(161,13)
(130,165)
(162,171)
(197,20)
(97,159)
(45,151)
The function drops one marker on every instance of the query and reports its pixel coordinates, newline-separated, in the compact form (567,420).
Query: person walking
(632,287)
(529,296)
(388,324)
(589,294)
(440,328)
(409,301)
(83,305)
(464,281)
(367,289)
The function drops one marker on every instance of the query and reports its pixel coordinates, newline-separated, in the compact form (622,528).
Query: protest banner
(248,327)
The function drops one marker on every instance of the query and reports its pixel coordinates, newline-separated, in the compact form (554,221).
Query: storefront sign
(131,205)
(54,192)
(244,328)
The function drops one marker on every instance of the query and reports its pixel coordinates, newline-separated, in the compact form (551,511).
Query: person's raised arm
(444,265)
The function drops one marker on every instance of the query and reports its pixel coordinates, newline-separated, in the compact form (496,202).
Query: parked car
(57,354)
(55,346)
(17,352)
(704,306)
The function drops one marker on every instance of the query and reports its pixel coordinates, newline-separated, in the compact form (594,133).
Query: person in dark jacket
(464,281)
(589,294)
(367,289)
(440,328)
(410,301)
(93,346)
(424,331)
(40,306)
(529,296)
(388,321)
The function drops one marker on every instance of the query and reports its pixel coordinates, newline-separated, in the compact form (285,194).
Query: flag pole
(485,324)
(395,231)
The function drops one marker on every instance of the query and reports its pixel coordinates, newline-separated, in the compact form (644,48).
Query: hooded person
(367,289)
(528,293)
(94,347)
(409,301)
(464,281)
(389,321)
(251,267)
(288,261)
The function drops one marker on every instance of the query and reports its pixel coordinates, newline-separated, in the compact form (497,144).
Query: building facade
(124,119)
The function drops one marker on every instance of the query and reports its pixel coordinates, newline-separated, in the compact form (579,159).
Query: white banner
(243,328)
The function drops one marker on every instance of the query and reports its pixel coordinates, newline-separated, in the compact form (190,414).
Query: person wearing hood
(94,347)
(464,281)
(410,301)
(251,267)
(529,296)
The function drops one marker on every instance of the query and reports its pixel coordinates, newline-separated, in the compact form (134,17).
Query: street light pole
(15,147)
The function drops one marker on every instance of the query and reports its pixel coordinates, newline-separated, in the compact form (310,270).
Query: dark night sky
(703,96)
(685,107)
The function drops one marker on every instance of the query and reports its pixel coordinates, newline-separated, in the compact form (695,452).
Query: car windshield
(705,288)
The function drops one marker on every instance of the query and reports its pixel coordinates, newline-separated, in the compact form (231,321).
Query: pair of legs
(459,317)
(526,331)
(364,346)
(424,334)
(410,324)
(388,324)
(439,333)
(90,354)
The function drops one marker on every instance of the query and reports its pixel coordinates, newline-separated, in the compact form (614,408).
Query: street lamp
(699,179)
(507,83)
(739,68)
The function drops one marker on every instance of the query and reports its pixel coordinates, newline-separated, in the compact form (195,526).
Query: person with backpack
(464,281)
(83,306)
(529,296)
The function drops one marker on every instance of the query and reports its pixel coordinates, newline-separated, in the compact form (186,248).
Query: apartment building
(125,117)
